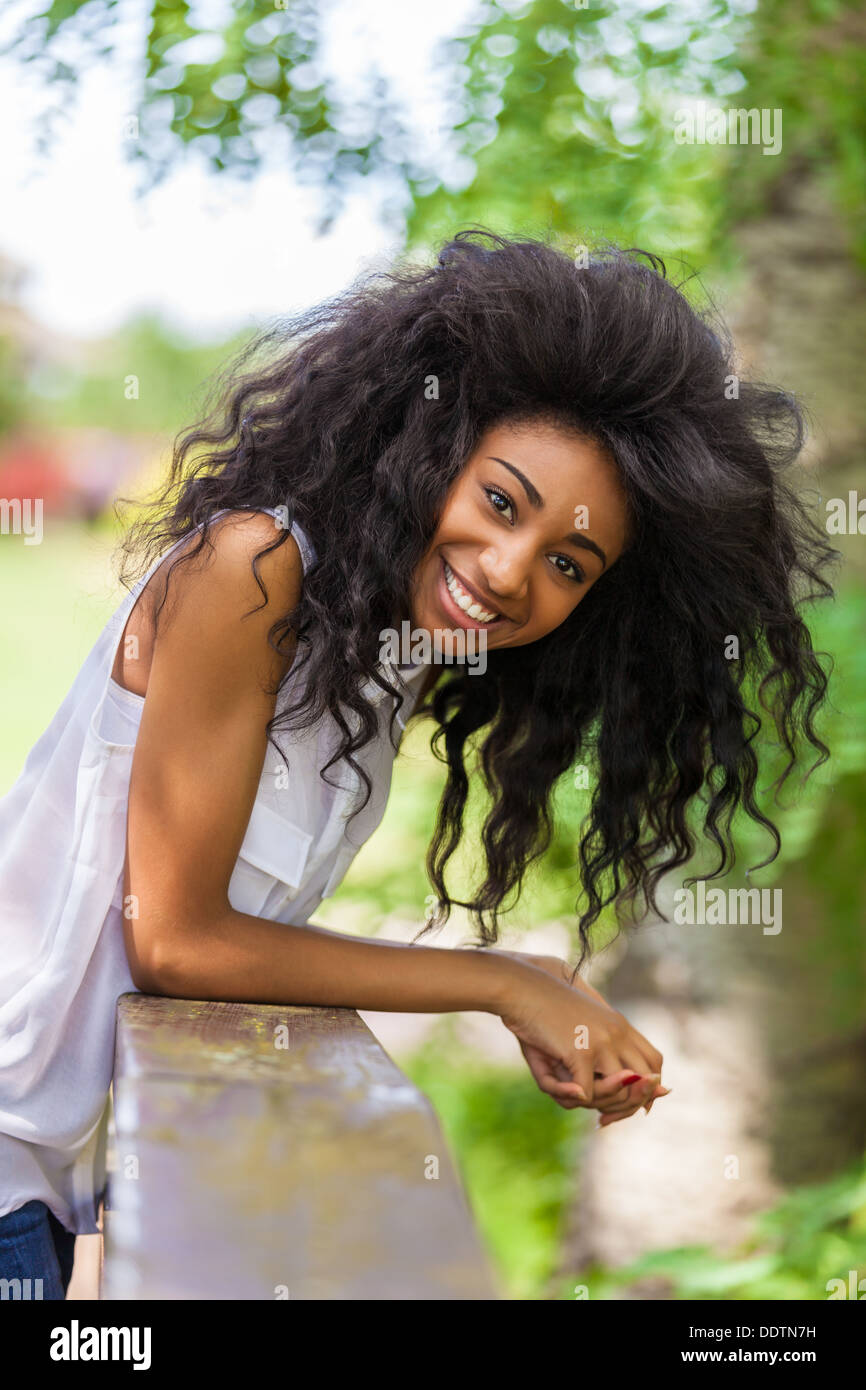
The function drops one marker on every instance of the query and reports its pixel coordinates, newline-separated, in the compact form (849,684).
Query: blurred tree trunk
(811,986)
(802,321)
(763,1036)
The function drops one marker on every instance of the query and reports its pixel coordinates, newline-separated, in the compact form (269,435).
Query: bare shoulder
(212,642)
(212,593)
(229,570)
(241,539)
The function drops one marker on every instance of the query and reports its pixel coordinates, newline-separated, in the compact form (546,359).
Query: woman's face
(534,520)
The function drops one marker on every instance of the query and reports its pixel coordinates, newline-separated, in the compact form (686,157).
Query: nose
(506,571)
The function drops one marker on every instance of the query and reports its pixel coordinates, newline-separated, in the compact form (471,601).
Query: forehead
(569,471)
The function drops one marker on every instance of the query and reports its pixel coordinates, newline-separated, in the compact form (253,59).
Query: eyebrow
(537,502)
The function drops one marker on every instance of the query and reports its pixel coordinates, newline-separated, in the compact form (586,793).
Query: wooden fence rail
(270,1152)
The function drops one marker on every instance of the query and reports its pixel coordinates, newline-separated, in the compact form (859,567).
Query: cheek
(458,525)
(455,513)
(548,612)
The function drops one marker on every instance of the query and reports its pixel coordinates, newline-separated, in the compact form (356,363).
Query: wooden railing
(268,1152)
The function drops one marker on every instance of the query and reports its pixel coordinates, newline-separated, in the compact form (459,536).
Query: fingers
(625,1091)
(553,1077)
(639,1055)
(621,1075)
(647,1094)
(656,1095)
(612,1091)
(652,1054)
(629,1100)
(616,1095)
(634,1098)
(579,1072)
(633,1050)
(608,1084)
(605,1120)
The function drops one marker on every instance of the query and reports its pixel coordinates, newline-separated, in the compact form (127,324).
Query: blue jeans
(34,1247)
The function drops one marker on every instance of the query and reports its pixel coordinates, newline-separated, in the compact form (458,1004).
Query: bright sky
(209,253)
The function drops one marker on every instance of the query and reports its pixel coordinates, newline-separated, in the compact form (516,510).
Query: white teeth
(465,601)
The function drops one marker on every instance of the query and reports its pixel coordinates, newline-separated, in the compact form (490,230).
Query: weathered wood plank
(251,1170)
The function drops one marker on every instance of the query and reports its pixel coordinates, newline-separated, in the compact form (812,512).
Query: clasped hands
(617,1095)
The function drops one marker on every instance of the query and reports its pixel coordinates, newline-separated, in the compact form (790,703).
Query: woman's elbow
(156,965)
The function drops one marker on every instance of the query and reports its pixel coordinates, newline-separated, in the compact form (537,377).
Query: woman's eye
(576,574)
(493,493)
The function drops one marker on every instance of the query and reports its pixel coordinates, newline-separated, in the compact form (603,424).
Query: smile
(466,602)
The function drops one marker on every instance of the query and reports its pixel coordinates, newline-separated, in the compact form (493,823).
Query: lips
(466,601)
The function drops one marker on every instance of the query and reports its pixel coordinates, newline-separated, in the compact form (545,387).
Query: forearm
(241,958)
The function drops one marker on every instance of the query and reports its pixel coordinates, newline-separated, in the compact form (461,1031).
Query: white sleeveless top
(62,956)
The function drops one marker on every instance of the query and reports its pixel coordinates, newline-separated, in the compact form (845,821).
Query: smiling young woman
(580,491)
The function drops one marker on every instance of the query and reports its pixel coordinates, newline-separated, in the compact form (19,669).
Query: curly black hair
(337,426)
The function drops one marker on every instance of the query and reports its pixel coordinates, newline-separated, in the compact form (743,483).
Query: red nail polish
(630,1079)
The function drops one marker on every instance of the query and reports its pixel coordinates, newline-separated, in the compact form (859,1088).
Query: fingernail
(580,1091)
(629,1080)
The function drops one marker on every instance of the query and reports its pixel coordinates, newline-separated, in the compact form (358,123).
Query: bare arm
(195,773)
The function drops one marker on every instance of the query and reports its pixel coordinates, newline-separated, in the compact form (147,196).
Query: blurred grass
(57,597)
(815,1235)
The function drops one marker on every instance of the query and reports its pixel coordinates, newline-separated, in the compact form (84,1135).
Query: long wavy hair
(337,423)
